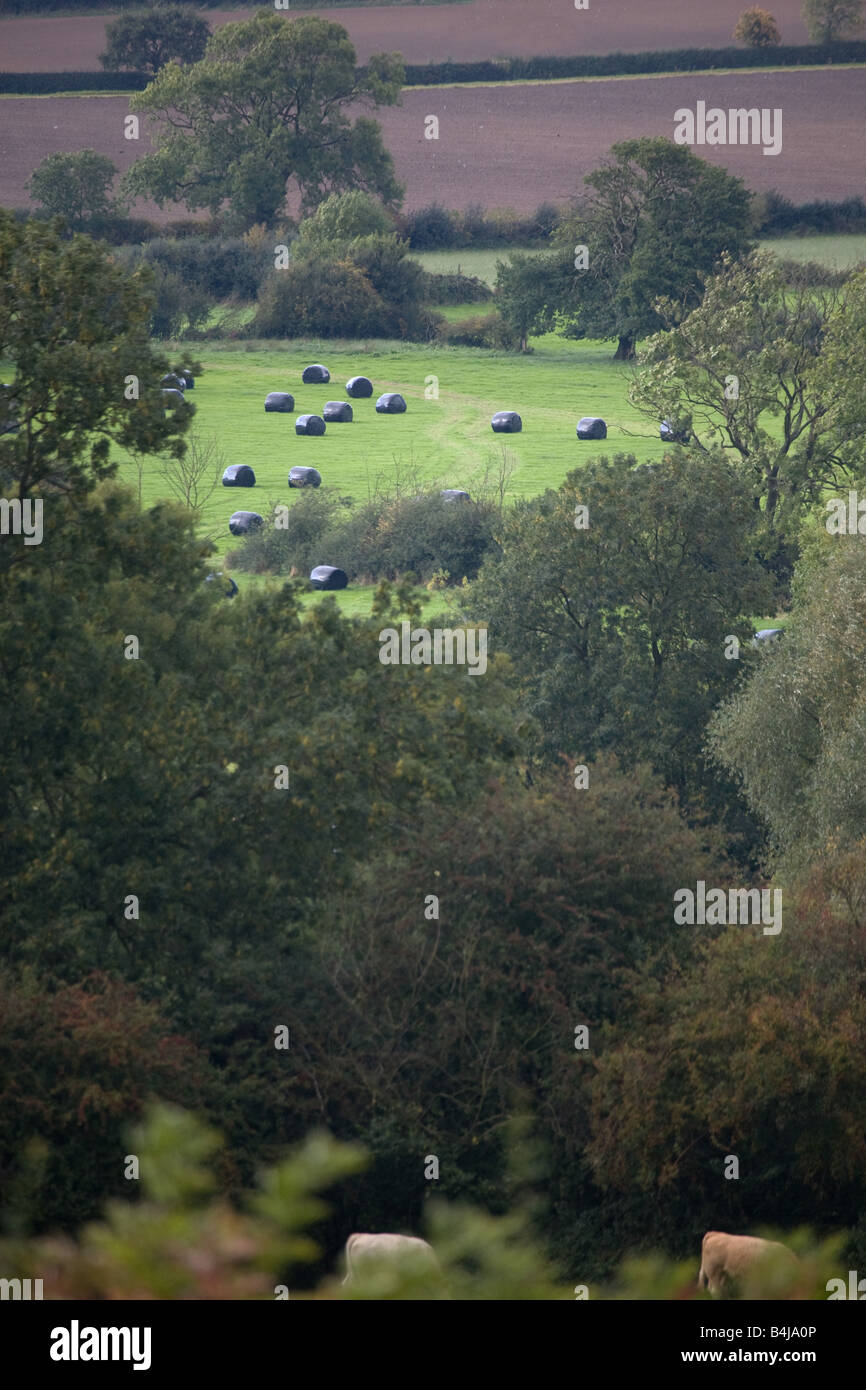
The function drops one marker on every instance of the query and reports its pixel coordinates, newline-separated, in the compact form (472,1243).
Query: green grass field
(836,251)
(446,440)
(472,261)
(839,252)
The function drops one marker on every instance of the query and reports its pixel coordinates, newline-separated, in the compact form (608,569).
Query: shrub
(218,267)
(454,287)
(342,218)
(431,228)
(757,28)
(319,298)
(383,538)
(482,330)
(177,305)
(313,513)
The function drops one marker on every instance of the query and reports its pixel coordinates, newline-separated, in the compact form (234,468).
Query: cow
(725,1260)
(365,1249)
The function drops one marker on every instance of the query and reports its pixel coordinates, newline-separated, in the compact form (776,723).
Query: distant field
(521,145)
(431,33)
(836,251)
(447,440)
(471,261)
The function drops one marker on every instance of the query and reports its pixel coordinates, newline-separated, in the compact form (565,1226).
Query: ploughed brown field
(516,146)
(432,34)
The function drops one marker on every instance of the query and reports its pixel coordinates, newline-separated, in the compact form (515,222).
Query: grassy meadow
(446,440)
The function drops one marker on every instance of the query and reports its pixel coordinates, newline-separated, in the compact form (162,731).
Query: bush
(369,288)
(397,279)
(482,330)
(455,288)
(300,545)
(431,228)
(384,538)
(342,218)
(757,28)
(321,299)
(177,305)
(218,267)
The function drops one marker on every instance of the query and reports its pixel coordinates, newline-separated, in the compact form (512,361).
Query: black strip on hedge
(634,64)
(44,83)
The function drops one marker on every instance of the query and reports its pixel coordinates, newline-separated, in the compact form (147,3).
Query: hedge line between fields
(45,83)
(508,69)
(634,64)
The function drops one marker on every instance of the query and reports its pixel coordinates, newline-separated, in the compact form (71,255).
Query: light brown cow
(363,1249)
(726,1259)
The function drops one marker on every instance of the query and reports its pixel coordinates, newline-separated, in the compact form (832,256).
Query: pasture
(446,440)
(839,252)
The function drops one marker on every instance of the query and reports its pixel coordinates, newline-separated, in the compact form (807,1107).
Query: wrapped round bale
(280,401)
(309,424)
(507,422)
(328,577)
(591,427)
(304,477)
(188,379)
(767,634)
(671,435)
(392,403)
(239,475)
(173,381)
(359,386)
(454,494)
(340,411)
(316,375)
(172,398)
(225,583)
(240,523)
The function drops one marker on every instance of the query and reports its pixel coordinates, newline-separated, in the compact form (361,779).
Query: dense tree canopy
(756,368)
(145,41)
(266,115)
(793,733)
(74,326)
(77,187)
(618,630)
(655,222)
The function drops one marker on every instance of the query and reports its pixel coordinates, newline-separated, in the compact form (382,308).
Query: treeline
(526,69)
(634,64)
(459,907)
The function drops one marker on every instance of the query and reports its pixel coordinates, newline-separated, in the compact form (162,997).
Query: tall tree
(745,370)
(829,20)
(74,327)
(793,734)
(615,596)
(759,1048)
(655,222)
(77,187)
(267,112)
(525,291)
(147,40)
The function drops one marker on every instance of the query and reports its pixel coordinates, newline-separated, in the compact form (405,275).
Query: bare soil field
(480,29)
(516,146)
